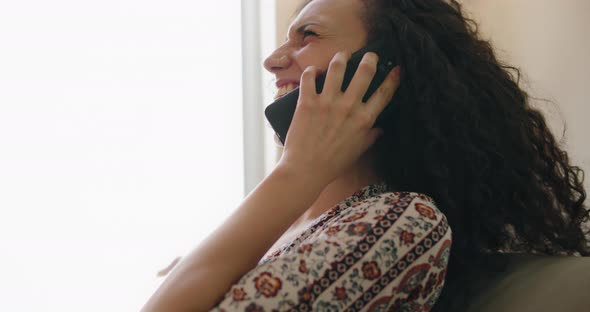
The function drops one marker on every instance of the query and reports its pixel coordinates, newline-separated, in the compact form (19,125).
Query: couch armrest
(539,284)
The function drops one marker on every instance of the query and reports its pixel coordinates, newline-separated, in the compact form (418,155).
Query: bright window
(120,145)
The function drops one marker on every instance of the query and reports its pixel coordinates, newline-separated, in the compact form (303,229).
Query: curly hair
(464,132)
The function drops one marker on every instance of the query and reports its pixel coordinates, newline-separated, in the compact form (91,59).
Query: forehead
(335,13)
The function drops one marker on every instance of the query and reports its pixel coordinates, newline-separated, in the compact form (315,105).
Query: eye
(307,33)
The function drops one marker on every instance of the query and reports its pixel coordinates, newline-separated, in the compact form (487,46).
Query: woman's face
(320,30)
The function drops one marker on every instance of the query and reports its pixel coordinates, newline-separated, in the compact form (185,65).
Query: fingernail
(374,56)
(395,73)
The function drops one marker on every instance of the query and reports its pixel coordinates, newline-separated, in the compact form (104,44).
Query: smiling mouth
(285,89)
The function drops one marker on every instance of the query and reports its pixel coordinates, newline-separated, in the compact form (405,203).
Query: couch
(539,284)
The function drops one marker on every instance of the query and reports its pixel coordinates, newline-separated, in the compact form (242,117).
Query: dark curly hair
(464,133)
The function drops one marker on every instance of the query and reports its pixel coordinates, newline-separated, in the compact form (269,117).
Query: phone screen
(280,113)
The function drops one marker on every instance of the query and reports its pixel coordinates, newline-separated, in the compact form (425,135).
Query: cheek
(319,58)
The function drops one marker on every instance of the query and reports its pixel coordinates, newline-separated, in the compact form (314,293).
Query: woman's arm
(204,276)
(328,134)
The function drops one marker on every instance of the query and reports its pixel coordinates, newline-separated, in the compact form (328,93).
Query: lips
(286,88)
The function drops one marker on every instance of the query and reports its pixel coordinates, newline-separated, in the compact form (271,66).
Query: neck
(358,176)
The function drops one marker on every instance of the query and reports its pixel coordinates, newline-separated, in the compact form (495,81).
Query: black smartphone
(280,113)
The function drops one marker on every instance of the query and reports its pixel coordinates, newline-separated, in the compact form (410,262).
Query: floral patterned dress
(374,251)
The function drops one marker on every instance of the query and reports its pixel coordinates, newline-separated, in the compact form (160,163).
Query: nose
(278,60)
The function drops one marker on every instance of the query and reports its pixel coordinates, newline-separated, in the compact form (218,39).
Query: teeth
(285,89)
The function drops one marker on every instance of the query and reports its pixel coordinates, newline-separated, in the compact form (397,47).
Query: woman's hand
(331,130)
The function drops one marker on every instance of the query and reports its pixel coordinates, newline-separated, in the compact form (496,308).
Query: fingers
(363,76)
(335,73)
(169,268)
(357,88)
(382,96)
(307,84)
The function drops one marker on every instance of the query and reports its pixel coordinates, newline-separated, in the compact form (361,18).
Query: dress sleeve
(387,253)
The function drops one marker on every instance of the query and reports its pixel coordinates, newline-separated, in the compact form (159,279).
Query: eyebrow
(301,28)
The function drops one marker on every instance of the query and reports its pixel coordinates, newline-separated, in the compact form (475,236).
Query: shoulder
(404,215)
(385,251)
(394,203)
(407,221)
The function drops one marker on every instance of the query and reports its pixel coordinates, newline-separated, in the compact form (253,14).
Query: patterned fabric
(374,251)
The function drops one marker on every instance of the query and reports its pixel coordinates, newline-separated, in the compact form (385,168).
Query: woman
(462,134)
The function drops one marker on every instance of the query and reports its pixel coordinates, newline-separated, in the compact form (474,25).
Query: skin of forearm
(233,249)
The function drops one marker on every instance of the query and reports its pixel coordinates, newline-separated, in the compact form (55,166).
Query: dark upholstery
(539,284)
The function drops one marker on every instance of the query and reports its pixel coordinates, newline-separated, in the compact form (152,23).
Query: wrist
(302,177)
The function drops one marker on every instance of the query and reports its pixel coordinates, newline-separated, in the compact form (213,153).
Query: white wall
(549,40)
